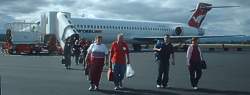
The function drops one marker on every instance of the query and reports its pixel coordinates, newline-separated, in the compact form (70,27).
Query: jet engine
(178,31)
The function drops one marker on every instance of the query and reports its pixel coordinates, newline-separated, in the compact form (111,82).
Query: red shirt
(118,52)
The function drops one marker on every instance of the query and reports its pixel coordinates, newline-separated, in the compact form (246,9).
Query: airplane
(135,32)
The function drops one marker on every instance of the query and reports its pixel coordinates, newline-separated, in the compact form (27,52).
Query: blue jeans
(119,71)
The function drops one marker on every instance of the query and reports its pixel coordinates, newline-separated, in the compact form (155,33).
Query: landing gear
(137,47)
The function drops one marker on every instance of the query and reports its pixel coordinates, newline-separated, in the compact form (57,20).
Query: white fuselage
(63,26)
(89,28)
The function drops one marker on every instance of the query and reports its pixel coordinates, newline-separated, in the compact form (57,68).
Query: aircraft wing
(178,38)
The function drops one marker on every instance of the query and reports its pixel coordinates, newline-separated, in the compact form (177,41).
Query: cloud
(133,9)
(218,21)
(3,20)
(242,3)
(21,6)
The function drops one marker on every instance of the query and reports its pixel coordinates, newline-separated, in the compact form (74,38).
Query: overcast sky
(218,21)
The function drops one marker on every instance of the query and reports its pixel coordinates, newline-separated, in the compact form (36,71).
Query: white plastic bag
(129,71)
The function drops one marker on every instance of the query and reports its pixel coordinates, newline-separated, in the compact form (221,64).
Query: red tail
(199,15)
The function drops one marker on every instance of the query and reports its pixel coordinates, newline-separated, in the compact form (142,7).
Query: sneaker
(195,88)
(120,87)
(96,88)
(91,88)
(158,86)
(116,88)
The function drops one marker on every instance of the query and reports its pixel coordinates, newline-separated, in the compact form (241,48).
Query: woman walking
(96,54)
(194,58)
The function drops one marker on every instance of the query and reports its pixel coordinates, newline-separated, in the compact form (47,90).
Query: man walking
(165,51)
(67,54)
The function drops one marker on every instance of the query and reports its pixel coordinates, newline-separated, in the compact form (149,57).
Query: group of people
(163,52)
(118,57)
(97,55)
(77,48)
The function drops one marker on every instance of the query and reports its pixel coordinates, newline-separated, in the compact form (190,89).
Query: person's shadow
(213,91)
(132,91)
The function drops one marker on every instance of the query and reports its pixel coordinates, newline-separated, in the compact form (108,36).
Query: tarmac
(228,73)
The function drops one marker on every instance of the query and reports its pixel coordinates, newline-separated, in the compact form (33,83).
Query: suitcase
(63,61)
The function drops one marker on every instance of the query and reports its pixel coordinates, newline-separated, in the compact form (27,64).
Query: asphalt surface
(228,73)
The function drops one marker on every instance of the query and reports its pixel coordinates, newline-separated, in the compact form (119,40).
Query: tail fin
(199,15)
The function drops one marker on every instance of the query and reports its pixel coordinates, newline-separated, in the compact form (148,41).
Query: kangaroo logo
(199,15)
(198,19)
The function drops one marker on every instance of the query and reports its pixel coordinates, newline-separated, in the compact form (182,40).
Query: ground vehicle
(27,38)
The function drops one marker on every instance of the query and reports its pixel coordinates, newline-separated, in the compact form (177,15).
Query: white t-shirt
(98,48)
